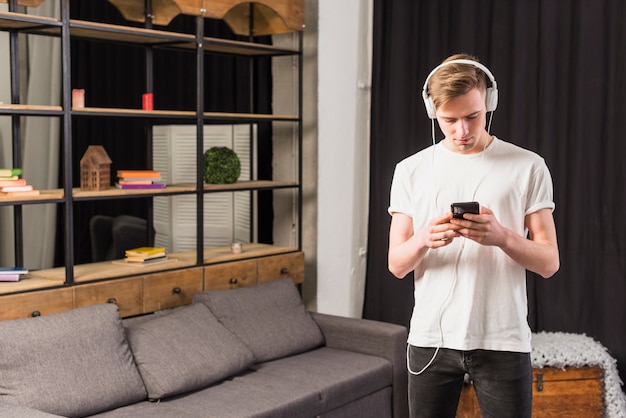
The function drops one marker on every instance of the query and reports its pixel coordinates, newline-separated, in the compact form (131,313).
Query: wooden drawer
(281,266)
(127,294)
(230,275)
(27,305)
(171,289)
(569,392)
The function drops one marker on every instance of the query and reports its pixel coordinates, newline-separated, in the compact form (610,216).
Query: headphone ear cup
(430,106)
(491,99)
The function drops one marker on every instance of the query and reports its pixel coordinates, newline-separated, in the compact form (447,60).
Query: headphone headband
(491,98)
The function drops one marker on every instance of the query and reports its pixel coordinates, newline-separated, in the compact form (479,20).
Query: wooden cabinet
(259,270)
(569,392)
(33,304)
(127,294)
(170,289)
(155,291)
(230,275)
(290,266)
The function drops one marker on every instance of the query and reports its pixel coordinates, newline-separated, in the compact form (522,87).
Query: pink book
(141,186)
(16,182)
(26,188)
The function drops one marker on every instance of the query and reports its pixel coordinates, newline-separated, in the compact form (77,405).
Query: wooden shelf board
(182,189)
(30,282)
(173,189)
(8,108)
(249,116)
(114,191)
(111,269)
(135,35)
(248,250)
(249,185)
(117,268)
(154,37)
(105,111)
(53,194)
(20,21)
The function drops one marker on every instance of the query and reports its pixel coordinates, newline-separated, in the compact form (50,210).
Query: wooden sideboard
(151,291)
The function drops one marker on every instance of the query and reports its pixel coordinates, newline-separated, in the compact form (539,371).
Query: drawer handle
(284,270)
(539,382)
(233,280)
(112,300)
(177,291)
(35,314)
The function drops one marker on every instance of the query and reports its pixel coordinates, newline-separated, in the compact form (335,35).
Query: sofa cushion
(74,363)
(339,376)
(270,318)
(185,350)
(249,395)
(19,411)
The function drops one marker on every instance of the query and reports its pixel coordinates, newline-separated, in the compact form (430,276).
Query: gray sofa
(249,352)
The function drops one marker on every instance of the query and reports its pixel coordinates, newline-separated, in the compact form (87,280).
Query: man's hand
(483,228)
(407,250)
(439,232)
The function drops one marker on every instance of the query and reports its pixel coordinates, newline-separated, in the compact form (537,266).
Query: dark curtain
(114,75)
(560,68)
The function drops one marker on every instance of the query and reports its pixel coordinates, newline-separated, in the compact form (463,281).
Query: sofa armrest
(8,410)
(376,338)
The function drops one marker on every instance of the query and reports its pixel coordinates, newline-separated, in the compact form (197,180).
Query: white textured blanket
(558,349)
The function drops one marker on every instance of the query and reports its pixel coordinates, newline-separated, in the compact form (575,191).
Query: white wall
(344,63)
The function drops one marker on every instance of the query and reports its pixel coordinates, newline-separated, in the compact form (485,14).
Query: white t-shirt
(470,296)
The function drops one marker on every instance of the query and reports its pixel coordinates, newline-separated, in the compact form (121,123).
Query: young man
(470,313)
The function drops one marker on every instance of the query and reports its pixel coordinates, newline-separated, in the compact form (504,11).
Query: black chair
(111,236)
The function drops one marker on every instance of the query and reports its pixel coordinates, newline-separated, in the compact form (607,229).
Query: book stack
(145,255)
(11,184)
(12,274)
(139,179)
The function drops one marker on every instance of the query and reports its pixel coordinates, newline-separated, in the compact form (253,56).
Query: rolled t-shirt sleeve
(540,189)
(400,197)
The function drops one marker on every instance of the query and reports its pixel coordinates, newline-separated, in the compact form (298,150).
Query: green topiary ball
(221,166)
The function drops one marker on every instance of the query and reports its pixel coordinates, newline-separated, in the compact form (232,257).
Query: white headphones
(491,98)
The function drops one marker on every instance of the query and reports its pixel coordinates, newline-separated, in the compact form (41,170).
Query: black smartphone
(459,208)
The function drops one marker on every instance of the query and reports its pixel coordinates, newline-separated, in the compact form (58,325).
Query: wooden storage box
(569,392)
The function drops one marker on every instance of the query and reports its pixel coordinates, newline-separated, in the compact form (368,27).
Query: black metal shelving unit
(68,29)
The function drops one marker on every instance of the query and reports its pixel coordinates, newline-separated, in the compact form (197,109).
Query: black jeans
(502,380)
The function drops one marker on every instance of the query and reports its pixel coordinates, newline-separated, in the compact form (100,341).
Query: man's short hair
(455,80)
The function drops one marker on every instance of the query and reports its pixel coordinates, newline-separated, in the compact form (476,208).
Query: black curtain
(114,75)
(560,68)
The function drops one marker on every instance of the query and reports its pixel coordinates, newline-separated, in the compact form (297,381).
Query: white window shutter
(227,216)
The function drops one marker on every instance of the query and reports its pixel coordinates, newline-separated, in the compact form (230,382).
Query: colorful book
(10,277)
(147,260)
(24,188)
(138,174)
(13,270)
(6,178)
(146,257)
(14,182)
(144,251)
(12,274)
(140,186)
(10,172)
(20,194)
(136,181)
